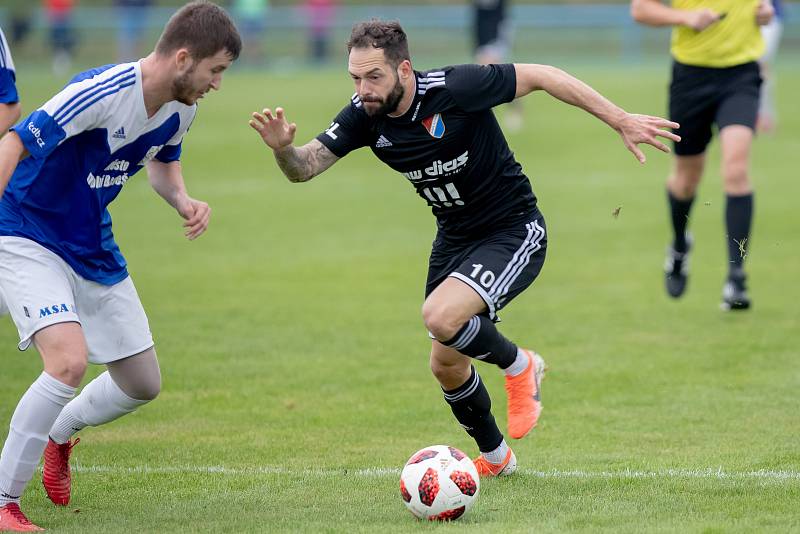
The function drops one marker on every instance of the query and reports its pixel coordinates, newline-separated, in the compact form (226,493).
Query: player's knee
(67,367)
(144,390)
(439,321)
(736,177)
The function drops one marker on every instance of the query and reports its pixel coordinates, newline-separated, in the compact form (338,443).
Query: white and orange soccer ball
(439,483)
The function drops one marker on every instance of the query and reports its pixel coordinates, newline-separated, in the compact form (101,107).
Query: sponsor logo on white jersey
(118,165)
(150,154)
(119,134)
(37,133)
(439,168)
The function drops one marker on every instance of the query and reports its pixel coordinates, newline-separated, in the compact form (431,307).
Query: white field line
(377,472)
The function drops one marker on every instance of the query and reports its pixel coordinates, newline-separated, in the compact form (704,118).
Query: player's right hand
(274,130)
(701,19)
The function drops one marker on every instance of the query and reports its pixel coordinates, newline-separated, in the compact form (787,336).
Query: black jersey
(449,146)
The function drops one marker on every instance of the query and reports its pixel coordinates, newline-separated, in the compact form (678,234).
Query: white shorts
(40,290)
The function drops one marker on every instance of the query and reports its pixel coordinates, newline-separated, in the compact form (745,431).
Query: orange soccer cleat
(56,476)
(487,469)
(524,404)
(13,520)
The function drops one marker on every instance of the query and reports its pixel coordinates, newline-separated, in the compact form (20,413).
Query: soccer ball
(439,483)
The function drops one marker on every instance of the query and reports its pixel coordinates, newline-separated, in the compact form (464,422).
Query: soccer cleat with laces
(734,292)
(524,403)
(56,476)
(676,269)
(13,520)
(487,469)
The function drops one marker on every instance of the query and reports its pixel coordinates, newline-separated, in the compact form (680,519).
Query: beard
(182,89)
(390,103)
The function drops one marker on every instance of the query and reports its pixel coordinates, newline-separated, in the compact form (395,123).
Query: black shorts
(700,97)
(490,28)
(498,267)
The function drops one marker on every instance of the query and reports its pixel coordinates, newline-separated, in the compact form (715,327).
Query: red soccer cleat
(13,520)
(56,476)
(487,469)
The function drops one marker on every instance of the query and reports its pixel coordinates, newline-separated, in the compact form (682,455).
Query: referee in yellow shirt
(715,82)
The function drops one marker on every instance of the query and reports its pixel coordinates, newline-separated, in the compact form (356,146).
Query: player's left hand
(196,213)
(636,129)
(764,12)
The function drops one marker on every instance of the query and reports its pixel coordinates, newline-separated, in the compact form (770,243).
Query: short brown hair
(203,29)
(386,35)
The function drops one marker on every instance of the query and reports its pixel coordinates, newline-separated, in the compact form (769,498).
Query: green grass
(293,352)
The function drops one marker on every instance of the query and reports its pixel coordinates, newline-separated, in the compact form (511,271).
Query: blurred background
(69,35)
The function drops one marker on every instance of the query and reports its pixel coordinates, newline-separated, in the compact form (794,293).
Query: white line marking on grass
(377,472)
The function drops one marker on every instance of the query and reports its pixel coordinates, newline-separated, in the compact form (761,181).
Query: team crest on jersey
(435,125)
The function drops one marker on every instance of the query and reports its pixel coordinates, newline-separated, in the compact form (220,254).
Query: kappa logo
(382,142)
(119,134)
(435,125)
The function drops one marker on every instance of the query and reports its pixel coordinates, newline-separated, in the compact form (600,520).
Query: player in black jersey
(437,129)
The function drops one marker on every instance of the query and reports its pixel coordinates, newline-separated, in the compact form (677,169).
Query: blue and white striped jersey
(85,143)
(8,88)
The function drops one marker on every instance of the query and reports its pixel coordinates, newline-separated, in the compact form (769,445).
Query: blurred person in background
(772,32)
(63,277)
(436,128)
(251,16)
(320,15)
(62,33)
(132,18)
(715,83)
(21,20)
(492,38)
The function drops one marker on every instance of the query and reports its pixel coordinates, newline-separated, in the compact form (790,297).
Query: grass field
(294,358)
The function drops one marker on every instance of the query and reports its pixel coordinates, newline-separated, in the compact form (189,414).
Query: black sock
(738,217)
(472,407)
(480,339)
(679,211)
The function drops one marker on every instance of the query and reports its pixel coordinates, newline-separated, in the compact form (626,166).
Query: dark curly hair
(386,35)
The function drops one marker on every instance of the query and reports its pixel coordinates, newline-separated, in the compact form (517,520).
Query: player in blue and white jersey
(64,278)
(9,105)
(436,128)
(9,99)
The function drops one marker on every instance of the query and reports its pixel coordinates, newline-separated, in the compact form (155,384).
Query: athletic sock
(497,455)
(472,406)
(27,436)
(679,212)
(738,218)
(521,363)
(101,401)
(480,339)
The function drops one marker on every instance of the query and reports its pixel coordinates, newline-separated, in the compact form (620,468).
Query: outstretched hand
(274,130)
(636,129)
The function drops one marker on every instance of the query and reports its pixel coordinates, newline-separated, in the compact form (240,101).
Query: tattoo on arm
(303,163)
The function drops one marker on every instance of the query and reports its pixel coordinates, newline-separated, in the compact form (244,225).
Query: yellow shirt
(734,40)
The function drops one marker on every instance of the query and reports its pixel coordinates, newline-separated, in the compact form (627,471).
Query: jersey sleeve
(8,87)
(348,131)
(78,107)
(479,87)
(172,150)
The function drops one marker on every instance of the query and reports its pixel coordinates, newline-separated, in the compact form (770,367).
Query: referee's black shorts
(700,97)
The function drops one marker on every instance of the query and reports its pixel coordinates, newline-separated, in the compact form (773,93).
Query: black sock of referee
(472,407)
(738,217)
(480,339)
(679,211)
